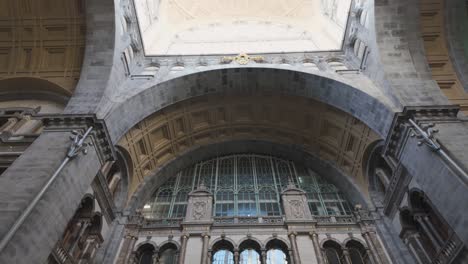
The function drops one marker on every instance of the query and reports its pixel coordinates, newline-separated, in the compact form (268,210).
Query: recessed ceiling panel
(193,27)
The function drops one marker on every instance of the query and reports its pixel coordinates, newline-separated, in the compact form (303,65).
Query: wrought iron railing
(168,222)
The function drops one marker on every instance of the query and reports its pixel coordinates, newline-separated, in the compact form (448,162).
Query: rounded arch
(277,242)
(146,243)
(283,243)
(370,108)
(221,242)
(250,242)
(329,241)
(33,92)
(352,240)
(416,199)
(86,207)
(346,184)
(169,243)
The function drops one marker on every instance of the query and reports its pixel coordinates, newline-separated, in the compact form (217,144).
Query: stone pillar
(126,250)
(318,251)
(206,241)
(183,248)
(292,239)
(236,256)
(43,226)
(264,256)
(377,252)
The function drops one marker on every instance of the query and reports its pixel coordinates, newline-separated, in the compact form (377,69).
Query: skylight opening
(204,27)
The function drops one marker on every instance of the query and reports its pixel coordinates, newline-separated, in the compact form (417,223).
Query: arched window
(276,256)
(333,252)
(223,252)
(145,254)
(357,253)
(168,254)
(223,256)
(245,185)
(277,252)
(249,256)
(249,252)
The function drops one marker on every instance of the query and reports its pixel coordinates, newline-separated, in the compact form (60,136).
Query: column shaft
(206,240)
(292,239)
(183,248)
(318,251)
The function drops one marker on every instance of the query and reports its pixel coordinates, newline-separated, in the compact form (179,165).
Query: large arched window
(250,252)
(223,253)
(277,252)
(168,254)
(333,252)
(247,186)
(145,254)
(357,253)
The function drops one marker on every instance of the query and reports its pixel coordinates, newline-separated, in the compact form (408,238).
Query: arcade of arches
(318,131)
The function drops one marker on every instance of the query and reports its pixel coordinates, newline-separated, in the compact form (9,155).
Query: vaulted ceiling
(327,132)
(43,39)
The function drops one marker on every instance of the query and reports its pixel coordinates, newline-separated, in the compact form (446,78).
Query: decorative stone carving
(200,205)
(199,209)
(295,204)
(297,208)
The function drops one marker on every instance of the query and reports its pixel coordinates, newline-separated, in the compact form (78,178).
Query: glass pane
(332,256)
(146,257)
(276,256)
(249,256)
(245,173)
(168,256)
(223,257)
(356,257)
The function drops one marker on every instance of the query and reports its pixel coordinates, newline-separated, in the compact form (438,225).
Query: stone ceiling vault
(42,39)
(322,130)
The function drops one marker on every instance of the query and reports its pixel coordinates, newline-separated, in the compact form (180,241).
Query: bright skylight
(192,27)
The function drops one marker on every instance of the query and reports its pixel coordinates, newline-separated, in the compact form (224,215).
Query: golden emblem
(242,59)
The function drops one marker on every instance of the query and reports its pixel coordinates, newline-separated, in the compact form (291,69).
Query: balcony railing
(62,256)
(155,223)
(449,250)
(333,220)
(249,220)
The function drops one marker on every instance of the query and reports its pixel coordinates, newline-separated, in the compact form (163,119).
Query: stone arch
(331,240)
(168,243)
(282,240)
(224,241)
(354,239)
(308,125)
(33,92)
(146,243)
(101,56)
(295,153)
(366,105)
(374,163)
(250,241)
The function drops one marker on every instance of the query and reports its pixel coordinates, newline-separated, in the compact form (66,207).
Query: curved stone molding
(370,109)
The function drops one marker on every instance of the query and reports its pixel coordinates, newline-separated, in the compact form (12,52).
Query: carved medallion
(199,210)
(297,208)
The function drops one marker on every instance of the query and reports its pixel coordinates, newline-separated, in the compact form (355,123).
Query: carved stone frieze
(295,204)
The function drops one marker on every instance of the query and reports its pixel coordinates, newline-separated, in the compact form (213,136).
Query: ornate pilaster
(206,241)
(293,241)
(318,251)
(183,248)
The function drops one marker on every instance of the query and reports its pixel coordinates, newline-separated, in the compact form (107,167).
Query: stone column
(264,256)
(236,256)
(33,200)
(206,241)
(183,248)
(292,239)
(318,251)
